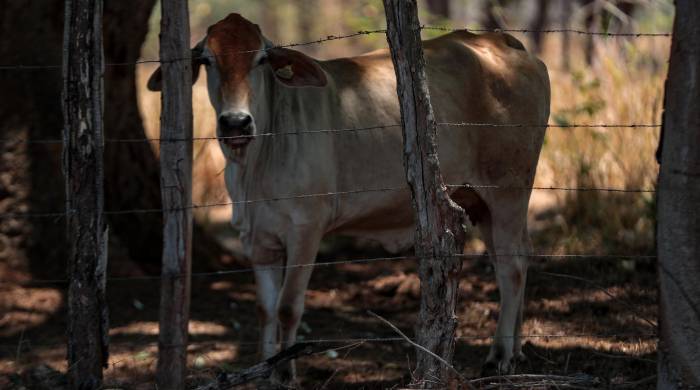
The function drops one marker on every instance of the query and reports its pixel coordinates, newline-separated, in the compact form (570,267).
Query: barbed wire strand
(356,34)
(31,283)
(336,131)
(143,342)
(58,215)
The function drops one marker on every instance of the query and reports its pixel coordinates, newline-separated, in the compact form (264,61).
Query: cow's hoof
(494,367)
(519,357)
(284,377)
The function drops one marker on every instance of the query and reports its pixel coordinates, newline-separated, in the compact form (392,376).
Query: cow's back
(487,79)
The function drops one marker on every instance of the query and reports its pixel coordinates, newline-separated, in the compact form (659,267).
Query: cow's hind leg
(518,354)
(503,233)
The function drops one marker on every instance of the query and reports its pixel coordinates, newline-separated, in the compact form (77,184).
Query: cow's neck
(280,110)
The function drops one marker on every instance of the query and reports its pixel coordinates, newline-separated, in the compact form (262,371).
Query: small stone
(332,353)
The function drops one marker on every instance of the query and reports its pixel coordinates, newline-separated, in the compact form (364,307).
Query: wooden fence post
(176,190)
(440,232)
(678,235)
(84,174)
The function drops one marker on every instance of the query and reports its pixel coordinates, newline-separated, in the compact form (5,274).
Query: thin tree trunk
(678,236)
(307,17)
(539,23)
(269,19)
(565,23)
(439,7)
(176,189)
(30,107)
(132,169)
(439,233)
(84,172)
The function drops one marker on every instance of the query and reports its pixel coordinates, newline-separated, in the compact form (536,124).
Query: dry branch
(263,369)
(530,381)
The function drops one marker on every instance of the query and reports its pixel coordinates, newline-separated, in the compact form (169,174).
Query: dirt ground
(600,328)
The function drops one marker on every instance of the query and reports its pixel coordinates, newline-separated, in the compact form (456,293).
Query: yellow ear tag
(285,72)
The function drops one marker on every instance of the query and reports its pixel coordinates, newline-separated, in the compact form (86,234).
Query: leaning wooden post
(176,190)
(439,232)
(678,235)
(83,167)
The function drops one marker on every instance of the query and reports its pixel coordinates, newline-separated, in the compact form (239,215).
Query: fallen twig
(636,384)
(528,381)
(261,370)
(422,348)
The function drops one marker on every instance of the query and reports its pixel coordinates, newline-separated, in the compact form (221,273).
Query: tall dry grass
(623,86)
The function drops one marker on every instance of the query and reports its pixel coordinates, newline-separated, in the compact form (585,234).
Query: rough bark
(176,190)
(84,173)
(439,230)
(678,211)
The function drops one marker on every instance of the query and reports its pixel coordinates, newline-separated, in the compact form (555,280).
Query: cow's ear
(296,69)
(155,82)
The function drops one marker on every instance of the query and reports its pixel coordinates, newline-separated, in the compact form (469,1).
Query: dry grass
(624,86)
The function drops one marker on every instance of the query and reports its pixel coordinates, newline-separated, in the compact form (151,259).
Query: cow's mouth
(234,143)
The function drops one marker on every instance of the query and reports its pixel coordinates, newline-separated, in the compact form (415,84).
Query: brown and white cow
(258,88)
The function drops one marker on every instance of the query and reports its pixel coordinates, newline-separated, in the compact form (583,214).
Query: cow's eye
(262,60)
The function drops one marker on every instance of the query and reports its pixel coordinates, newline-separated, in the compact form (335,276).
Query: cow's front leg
(302,249)
(268,280)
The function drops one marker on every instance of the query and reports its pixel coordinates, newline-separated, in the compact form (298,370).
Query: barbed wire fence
(58,215)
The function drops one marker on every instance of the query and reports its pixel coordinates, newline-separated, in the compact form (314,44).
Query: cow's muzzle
(236,129)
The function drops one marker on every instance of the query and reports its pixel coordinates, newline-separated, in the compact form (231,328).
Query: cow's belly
(385,218)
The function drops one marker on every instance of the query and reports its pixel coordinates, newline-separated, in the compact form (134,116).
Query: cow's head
(237,56)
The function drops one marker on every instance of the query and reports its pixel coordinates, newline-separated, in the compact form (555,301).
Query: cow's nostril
(235,121)
(246,121)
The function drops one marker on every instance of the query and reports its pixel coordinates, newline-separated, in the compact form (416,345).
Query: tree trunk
(30,107)
(439,233)
(176,184)
(83,141)
(679,209)
(492,13)
(269,19)
(565,23)
(307,17)
(132,169)
(539,23)
(439,7)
